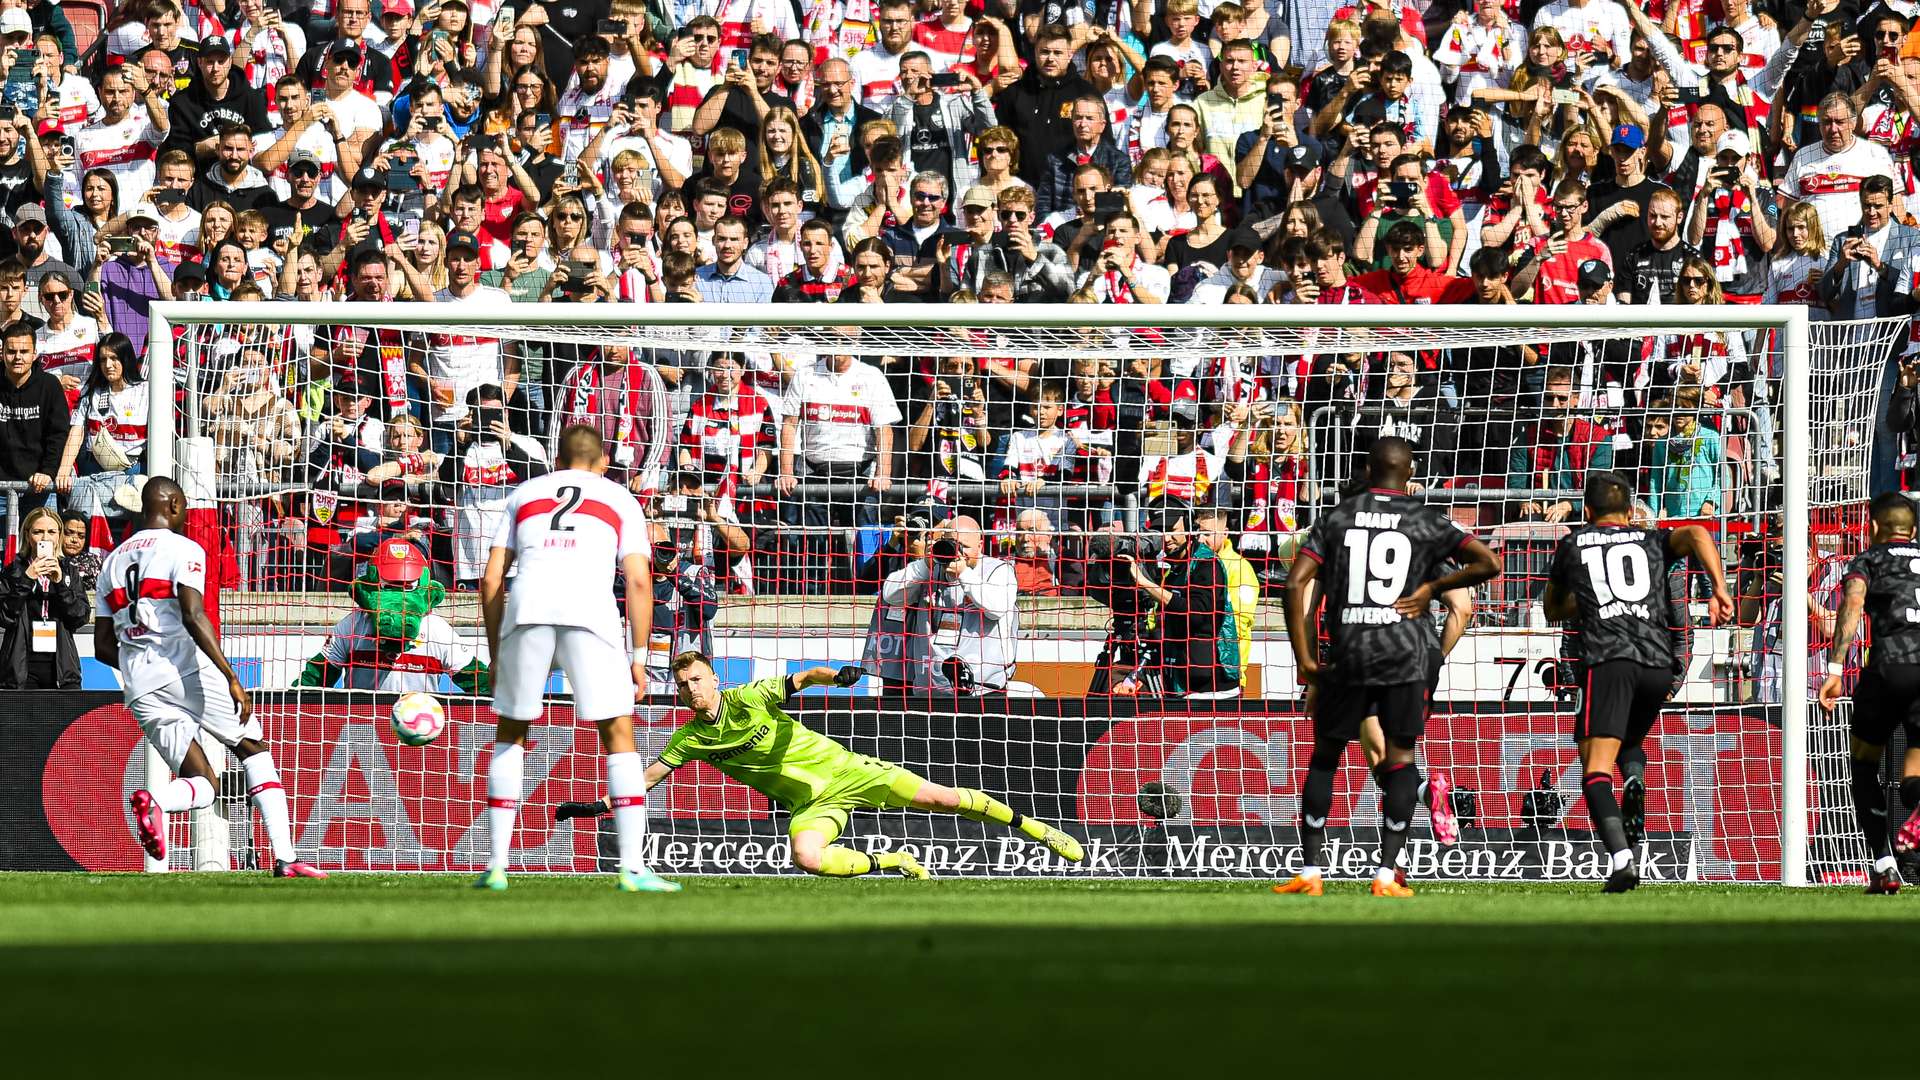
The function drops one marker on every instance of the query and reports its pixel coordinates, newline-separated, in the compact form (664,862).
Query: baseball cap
(1593,274)
(399,562)
(370,177)
(344,47)
(1242,237)
(30,212)
(144,210)
(977,195)
(396,7)
(1303,157)
(1735,141)
(15,21)
(462,238)
(304,158)
(190,271)
(216,44)
(164,197)
(1629,136)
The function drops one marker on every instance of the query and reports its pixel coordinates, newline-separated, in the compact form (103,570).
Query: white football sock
(263,787)
(627,785)
(503,799)
(183,793)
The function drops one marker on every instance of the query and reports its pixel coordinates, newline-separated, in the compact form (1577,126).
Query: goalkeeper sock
(503,799)
(1401,784)
(1604,809)
(979,806)
(1870,806)
(263,787)
(1316,802)
(183,793)
(837,861)
(1633,763)
(627,791)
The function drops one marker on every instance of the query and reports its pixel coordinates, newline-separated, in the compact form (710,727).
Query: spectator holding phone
(42,605)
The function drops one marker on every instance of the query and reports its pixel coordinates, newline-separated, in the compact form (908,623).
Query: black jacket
(195,114)
(1191,625)
(22,603)
(33,426)
(1037,109)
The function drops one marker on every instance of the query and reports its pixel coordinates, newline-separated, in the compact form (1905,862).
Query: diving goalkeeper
(746,734)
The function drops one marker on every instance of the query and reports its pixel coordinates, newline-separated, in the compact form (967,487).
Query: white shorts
(599,674)
(173,715)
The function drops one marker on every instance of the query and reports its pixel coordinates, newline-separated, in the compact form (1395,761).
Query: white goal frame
(1791,323)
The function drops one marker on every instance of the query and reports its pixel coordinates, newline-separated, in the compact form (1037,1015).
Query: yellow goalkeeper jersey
(753,740)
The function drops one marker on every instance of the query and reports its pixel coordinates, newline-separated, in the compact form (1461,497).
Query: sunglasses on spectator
(927,196)
(996,150)
(59,297)
(571,216)
(1723,47)
(706,39)
(1692,279)
(1015,215)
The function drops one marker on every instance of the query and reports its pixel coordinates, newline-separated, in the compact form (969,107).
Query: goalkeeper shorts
(867,784)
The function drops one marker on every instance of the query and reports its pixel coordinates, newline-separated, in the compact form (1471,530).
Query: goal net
(1000,513)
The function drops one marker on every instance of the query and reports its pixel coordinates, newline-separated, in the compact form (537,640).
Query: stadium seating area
(852,151)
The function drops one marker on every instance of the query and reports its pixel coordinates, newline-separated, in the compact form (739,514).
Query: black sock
(1316,802)
(1633,763)
(1604,809)
(1870,807)
(1401,784)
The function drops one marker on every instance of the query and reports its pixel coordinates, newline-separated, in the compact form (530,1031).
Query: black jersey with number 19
(1374,549)
(1892,574)
(1618,574)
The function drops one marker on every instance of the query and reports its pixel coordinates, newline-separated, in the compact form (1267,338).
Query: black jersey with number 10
(1374,549)
(1892,574)
(1618,575)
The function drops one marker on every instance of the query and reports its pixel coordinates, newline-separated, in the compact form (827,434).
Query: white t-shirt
(372,664)
(679,153)
(126,149)
(568,532)
(77,101)
(121,414)
(465,360)
(139,589)
(179,240)
(876,78)
(67,352)
(356,112)
(839,411)
(320,144)
(1831,182)
(1598,22)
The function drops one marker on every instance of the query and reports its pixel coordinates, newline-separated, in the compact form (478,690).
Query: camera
(1108,203)
(1110,580)
(943,550)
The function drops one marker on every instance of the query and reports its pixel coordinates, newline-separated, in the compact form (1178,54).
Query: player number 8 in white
(1377,566)
(1619,572)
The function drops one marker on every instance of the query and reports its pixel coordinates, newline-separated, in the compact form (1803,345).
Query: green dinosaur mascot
(392,640)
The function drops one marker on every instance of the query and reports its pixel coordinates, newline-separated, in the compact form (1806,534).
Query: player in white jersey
(151,623)
(566,533)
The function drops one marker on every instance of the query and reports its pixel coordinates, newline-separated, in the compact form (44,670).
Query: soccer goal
(799,460)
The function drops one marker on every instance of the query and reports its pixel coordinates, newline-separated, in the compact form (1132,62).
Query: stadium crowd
(960,151)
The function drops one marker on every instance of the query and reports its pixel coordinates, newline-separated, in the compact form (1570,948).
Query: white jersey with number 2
(139,589)
(568,532)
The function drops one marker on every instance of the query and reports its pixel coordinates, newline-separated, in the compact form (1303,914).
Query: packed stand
(854,151)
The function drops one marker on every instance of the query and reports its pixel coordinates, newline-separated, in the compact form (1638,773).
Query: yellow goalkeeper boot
(909,867)
(1062,845)
(1303,885)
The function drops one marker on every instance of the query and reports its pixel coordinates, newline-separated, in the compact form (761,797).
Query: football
(418,718)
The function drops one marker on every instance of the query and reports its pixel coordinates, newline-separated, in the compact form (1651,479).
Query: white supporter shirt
(139,589)
(356,112)
(179,240)
(568,532)
(121,414)
(67,352)
(78,105)
(1598,22)
(317,142)
(463,359)
(839,411)
(580,115)
(126,150)
(679,153)
(876,78)
(372,664)
(1831,182)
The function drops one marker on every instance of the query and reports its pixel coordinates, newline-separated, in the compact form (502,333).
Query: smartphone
(543,119)
(92,289)
(1723,176)
(484,142)
(1401,191)
(945,80)
(612,28)
(430,123)
(570,174)
(1692,95)
(1110,202)
(1566,97)
(484,419)
(43,548)
(411,230)
(402,181)
(739,59)
(122,245)
(1188,88)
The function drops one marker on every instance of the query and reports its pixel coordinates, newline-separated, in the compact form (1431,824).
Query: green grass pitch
(419,976)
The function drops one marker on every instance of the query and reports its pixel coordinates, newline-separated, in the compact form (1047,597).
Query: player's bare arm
(1459,605)
(106,644)
(1300,586)
(639,577)
(1845,626)
(1479,565)
(193,615)
(493,595)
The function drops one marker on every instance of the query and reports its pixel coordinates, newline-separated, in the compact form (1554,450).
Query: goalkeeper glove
(849,675)
(580,809)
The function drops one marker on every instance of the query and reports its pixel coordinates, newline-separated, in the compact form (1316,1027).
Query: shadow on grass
(965,1000)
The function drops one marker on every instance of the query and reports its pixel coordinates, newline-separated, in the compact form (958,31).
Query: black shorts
(1620,699)
(1340,708)
(1887,695)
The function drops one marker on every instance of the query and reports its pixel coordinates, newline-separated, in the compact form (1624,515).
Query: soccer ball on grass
(418,719)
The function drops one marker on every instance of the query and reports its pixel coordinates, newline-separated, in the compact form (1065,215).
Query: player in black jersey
(1609,580)
(1883,581)
(1379,559)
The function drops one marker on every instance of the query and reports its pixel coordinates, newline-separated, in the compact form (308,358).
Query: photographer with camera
(958,615)
(685,601)
(1197,640)
(488,461)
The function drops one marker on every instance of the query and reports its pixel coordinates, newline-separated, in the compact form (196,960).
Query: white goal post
(185,337)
